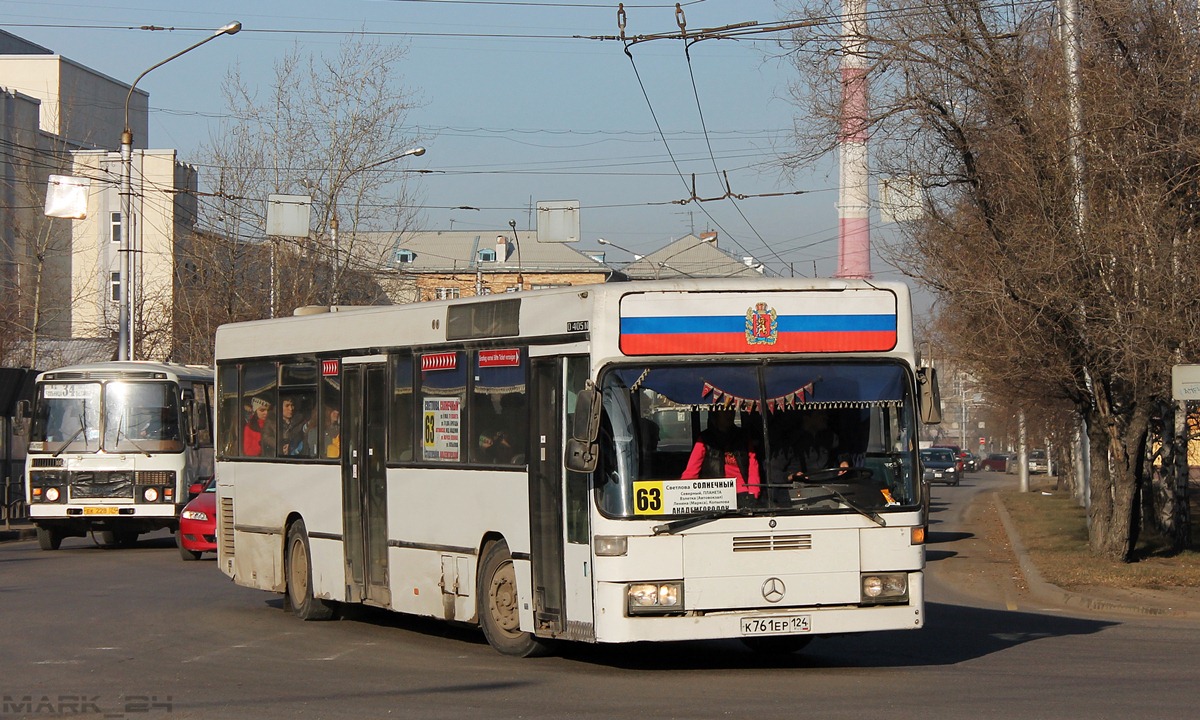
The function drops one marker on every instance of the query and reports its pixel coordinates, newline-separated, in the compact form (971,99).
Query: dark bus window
(330,444)
(499,417)
(259,391)
(232,418)
(297,416)
(443,400)
(400,445)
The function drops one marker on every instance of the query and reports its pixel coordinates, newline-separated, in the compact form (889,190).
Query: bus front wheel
(49,538)
(299,577)
(499,615)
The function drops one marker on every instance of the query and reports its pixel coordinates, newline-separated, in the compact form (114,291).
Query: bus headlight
(150,494)
(880,588)
(51,494)
(655,598)
(611,545)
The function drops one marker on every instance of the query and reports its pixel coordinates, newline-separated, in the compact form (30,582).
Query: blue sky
(515,110)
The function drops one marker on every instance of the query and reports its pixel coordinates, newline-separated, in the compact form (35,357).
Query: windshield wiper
(132,442)
(868,514)
(670,528)
(71,439)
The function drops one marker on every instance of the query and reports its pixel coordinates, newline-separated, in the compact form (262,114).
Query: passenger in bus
(332,439)
(160,426)
(802,444)
(292,429)
(258,435)
(496,448)
(725,451)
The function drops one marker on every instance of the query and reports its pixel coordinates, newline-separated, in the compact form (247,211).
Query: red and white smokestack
(854,230)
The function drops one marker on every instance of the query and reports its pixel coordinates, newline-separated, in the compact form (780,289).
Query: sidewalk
(1096,599)
(17,530)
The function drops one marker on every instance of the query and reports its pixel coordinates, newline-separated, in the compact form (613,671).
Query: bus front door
(560,552)
(364,481)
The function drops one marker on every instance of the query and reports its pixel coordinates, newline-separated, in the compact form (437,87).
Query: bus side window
(400,445)
(231,413)
(201,418)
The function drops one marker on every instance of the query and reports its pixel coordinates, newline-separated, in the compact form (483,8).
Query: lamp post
(333,219)
(125,335)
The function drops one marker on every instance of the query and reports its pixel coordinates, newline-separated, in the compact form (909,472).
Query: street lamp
(333,219)
(125,339)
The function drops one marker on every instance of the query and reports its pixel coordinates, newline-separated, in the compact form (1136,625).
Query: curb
(11,534)
(1048,592)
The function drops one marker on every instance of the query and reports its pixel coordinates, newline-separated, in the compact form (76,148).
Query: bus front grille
(767,543)
(92,485)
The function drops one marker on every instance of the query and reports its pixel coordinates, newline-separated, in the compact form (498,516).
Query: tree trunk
(1114,476)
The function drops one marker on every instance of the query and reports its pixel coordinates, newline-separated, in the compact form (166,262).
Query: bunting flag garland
(727,400)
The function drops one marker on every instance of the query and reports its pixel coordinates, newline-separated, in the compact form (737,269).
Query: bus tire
(778,644)
(498,606)
(299,577)
(49,538)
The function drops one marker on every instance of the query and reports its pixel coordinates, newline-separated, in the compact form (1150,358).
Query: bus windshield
(756,437)
(115,417)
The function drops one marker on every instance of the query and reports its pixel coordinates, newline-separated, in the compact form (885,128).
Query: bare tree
(328,127)
(970,98)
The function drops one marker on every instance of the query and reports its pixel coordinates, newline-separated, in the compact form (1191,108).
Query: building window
(114,287)
(447,293)
(405,256)
(114,221)
(487,255)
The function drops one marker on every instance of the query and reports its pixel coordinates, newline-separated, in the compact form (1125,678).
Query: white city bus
(114,447)
(514,461)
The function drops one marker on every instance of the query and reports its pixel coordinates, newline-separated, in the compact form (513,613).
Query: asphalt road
(138,633)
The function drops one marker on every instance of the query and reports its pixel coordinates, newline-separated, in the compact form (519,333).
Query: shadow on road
(953,634)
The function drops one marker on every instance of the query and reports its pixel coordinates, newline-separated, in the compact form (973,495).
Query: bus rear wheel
(498,606)
(49,538)
(299,577)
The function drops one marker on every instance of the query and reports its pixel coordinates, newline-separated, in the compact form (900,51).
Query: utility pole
(126,341)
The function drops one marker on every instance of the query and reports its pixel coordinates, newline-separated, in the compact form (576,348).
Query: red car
(198,523)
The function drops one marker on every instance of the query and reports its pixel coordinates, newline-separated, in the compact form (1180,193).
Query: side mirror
(195,489)
(187,408)
(21,421)
(581,448)
(930,399)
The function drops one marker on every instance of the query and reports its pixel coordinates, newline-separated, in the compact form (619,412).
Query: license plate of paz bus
(776,625)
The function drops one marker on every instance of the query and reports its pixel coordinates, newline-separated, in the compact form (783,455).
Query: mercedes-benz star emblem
(773,590)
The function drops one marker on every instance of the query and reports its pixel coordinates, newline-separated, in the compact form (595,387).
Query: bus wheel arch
(297,569)
(498,604)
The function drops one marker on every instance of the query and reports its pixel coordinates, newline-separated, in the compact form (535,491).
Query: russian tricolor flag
(726,323)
